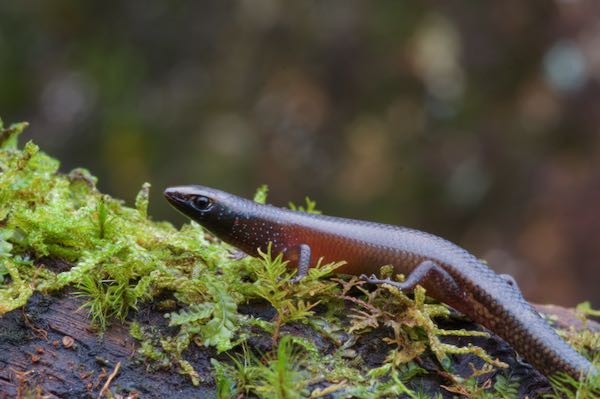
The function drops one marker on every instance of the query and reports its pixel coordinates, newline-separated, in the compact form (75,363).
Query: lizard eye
(202,203)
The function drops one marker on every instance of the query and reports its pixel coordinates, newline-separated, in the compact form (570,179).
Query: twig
(39,332)
(108,381)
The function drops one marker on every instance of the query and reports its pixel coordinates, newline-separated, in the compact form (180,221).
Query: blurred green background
(476,121)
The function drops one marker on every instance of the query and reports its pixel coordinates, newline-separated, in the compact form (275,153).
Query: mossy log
(50,349)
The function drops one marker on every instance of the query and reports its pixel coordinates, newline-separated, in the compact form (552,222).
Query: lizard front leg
(303,254)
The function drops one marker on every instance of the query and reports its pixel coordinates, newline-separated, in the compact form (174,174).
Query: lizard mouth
(178,197)
(173,195)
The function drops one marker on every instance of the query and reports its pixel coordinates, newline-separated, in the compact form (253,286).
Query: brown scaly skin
(449,273)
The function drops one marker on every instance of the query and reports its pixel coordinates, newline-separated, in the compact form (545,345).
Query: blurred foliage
(477,122)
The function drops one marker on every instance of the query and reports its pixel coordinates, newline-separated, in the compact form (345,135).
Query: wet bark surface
(49,348)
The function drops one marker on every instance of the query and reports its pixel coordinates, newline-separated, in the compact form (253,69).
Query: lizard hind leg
(431,276)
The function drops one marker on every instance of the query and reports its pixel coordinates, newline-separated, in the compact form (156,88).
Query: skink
(449,273)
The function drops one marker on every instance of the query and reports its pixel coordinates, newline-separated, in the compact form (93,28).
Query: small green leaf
(310,207)
(226,386)
(142,199)
(195,312)
(5,246)
(220,329)
(9,136)
(261,194)
(586,308)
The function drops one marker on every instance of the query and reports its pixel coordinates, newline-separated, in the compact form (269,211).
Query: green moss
(121,259)
(565,386)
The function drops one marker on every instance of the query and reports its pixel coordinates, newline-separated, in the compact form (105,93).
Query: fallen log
(49,349)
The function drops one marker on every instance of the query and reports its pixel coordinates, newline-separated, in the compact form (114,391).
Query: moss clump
(121,258)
